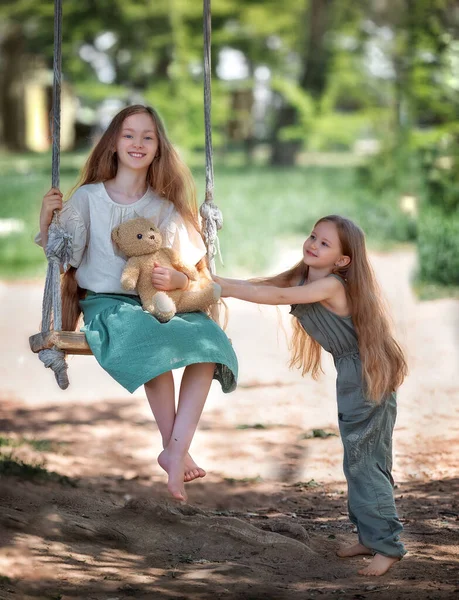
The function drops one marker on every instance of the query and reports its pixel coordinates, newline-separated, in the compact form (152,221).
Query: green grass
(38,445)
(11,465)
(24,179)
(264,209)
(426,290)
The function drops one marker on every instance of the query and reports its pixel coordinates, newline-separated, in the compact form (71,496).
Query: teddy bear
(141,241)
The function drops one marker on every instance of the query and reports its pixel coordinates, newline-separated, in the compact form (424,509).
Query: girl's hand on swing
(167,279)
(52,201)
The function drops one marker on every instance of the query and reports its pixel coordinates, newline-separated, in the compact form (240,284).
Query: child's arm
(317,291)
(221,280)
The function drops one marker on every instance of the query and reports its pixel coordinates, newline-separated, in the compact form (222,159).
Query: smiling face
(322,249)
(137,142)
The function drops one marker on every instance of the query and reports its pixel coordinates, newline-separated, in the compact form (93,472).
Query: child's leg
(160,393)
(195,386)
(366,432)
(354,549)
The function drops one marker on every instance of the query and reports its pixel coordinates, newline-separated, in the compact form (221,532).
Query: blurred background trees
(368,87)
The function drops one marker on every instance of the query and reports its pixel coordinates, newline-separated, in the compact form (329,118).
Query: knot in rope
(210,212)
(55,359)
(59,246)
(212,222)
(58,251)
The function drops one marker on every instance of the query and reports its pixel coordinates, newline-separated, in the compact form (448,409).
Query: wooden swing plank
(70,342)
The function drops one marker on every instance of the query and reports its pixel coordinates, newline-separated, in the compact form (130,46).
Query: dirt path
(266,521)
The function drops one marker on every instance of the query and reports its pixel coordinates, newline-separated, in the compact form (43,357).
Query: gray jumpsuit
(366,432)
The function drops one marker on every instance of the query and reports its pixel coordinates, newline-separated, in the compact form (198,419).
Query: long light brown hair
(383,363)
(167,175)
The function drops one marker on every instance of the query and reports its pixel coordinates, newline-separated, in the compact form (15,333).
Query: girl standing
(134,171)
(337,306)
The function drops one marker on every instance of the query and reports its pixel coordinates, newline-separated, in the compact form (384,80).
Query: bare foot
(174,466)
(192,471)
(354,550)
(379,565)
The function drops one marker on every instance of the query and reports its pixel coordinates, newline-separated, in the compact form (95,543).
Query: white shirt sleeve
(72,219)
(184,239)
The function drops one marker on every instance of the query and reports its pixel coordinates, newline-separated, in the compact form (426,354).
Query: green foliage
(181,107)
(438,246)
(395,169)
(442,177)
(340,130)
(293,95)
(93,92)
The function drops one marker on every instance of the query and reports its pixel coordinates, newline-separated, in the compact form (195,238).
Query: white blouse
(90,215)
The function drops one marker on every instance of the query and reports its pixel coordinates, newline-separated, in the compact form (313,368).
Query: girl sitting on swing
(135,171)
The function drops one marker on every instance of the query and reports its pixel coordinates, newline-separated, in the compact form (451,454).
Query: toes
(190,475)
(368,571)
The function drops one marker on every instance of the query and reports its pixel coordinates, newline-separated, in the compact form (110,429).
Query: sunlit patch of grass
(39,445)
(318,433)
(243,480)
(11,465)
(425,290)
(306,484)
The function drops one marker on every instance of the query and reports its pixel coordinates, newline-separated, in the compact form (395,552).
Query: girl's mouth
(136,154)
(311,253)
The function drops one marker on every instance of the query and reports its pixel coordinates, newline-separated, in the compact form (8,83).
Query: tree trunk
(316,59)
(11,90)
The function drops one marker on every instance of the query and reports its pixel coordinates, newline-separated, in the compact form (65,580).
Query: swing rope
(212,218)
(59,246)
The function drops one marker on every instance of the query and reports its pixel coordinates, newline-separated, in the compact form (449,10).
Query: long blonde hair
(167,175)
(383,363)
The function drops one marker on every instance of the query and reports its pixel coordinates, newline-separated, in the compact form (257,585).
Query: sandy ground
(266,521)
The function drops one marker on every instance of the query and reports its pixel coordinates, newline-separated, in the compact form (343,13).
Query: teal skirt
(134,347)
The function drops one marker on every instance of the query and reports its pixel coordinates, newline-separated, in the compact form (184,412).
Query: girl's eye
(127,136)
(325,244)
(139,236)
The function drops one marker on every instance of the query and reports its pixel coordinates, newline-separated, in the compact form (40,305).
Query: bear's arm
(190,272)
(131,273)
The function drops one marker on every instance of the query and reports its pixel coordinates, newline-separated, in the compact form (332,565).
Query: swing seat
(70,342)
